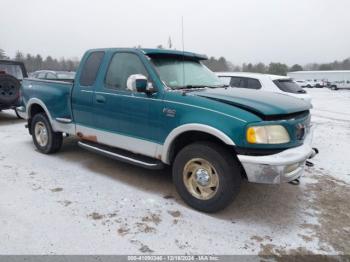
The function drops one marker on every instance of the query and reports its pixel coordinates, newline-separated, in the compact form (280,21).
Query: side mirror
(139,83)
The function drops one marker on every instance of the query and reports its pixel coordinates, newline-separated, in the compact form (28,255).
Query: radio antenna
(183,52)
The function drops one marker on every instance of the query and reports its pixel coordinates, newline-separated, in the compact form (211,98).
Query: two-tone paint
(149,124)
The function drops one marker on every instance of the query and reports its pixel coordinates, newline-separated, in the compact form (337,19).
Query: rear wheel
(45,139)
(334,87)
(207,176)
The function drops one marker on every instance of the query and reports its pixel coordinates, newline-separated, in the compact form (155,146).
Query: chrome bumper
(285,166)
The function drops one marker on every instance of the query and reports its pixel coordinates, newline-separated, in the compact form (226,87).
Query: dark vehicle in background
(11,75)
(53,75)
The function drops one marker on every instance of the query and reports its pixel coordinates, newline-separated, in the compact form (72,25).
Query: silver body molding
(285,166)
(135,145)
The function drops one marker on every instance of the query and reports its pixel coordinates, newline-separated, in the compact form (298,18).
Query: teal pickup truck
(155,107)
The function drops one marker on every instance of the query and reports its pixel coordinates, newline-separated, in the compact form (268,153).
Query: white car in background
(264,82)
(304,83)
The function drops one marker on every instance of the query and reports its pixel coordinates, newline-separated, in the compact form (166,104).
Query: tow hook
(295,182)
(314,153)
(308,163)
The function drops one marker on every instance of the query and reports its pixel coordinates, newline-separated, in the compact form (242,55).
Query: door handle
(100,99)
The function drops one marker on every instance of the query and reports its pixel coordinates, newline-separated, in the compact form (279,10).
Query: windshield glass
(288,85)
(14,70)
(177,72)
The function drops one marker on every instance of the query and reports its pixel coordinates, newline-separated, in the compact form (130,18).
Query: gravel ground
(77,202)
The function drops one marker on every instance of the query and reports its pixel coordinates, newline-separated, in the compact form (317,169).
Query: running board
(122,155)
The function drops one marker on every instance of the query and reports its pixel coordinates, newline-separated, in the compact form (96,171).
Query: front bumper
(285,166)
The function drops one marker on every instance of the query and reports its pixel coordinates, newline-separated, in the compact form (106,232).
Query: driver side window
(121,67)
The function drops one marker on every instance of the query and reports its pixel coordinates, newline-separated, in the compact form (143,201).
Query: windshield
(177,72)
(14,70)
(288,85)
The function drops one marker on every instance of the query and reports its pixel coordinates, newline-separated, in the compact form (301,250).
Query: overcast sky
(289,31)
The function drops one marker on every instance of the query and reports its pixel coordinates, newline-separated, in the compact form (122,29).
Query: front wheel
(45,139)
(206,176)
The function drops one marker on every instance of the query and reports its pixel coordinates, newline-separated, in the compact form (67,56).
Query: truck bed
(55,94)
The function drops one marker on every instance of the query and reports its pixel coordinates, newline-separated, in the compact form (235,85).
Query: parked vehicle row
(333,79)
(53,75)
(335,85)
(343,84)
(156,107)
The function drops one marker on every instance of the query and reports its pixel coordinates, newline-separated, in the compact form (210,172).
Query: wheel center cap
(202,177)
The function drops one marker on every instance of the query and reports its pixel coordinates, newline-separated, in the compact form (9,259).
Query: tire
(309,86)
(334,88)
(9,89)
(224,168)
(49,143)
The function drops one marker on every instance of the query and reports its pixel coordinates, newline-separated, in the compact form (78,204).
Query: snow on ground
(77,202)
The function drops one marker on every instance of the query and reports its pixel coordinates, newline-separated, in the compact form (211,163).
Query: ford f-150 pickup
(155,107)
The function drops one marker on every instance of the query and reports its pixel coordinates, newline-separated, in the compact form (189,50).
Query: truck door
(127,119)
(83,91)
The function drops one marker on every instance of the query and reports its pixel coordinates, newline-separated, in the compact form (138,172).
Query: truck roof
(157,51)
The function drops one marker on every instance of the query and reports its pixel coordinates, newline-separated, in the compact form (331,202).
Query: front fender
(191,127)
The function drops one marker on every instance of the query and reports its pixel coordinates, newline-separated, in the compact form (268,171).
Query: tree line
(275,68)
(37,62)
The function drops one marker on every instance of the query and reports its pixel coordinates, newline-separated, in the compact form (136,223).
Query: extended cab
(155,107)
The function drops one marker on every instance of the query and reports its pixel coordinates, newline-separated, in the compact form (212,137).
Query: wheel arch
(35,106)
(191,133)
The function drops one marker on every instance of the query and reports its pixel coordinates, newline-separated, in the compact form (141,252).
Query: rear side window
(237,82)
(90,69)
(253,83)
(288,85)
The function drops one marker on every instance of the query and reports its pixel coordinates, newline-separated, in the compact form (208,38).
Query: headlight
(274,134)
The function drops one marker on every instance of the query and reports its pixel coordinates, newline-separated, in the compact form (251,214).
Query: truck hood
(258,102)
